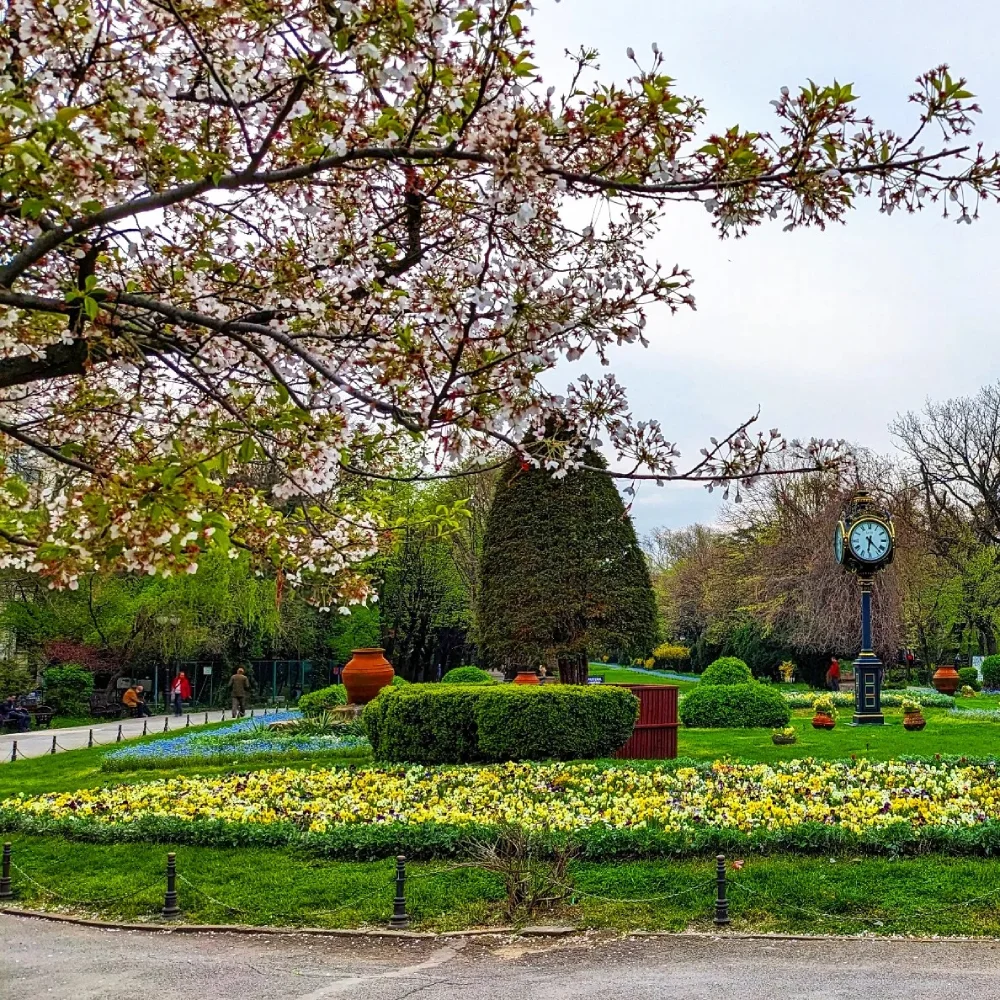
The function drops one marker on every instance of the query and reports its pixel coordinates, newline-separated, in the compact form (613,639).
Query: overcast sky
(830,334)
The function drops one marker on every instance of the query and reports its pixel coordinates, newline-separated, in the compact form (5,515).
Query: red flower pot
(821,721)
(526,677)
(946,680)
(365,674)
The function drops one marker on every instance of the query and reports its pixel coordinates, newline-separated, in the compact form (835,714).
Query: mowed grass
(931,895)
(944,734)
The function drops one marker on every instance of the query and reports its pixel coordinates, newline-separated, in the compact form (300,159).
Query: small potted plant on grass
(913,720)
(784,737)
(826,712)
(968,691)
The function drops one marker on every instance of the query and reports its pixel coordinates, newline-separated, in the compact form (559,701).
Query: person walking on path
(833,674)
(180,691)
(240,685)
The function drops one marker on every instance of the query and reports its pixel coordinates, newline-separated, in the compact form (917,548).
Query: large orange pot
(365,674)
(946,680)
(526,677)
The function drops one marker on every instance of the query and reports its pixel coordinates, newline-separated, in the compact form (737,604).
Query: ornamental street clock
(864,543)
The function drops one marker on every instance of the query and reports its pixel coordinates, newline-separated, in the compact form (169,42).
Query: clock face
(838,543)
(870,541)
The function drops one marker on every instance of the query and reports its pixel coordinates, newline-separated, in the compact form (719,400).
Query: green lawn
(622,675)
(944,734)
(913,896)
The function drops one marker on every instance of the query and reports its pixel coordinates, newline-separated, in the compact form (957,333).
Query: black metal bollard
(170,907)
(251,713)
(13,751)
(144,731)
(188,723)
(206,718)
(721,903)
(53,750)
(119,737)
(5,890)
(400,919)
(166,724)
(90,740)
(222,718)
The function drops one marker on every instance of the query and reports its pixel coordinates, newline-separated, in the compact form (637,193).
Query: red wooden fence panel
(655,733)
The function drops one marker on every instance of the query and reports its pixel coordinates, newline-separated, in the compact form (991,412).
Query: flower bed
(245,740)
(616,809)
(927,697)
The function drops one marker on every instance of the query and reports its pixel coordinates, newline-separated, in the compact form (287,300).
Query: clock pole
(864,543)
(867,667)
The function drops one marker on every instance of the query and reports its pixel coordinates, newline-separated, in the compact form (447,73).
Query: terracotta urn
(526,677)
(365,674)
(821,721)
(914,722)
(946,680)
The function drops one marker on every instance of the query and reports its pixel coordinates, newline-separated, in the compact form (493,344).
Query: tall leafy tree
(562,575)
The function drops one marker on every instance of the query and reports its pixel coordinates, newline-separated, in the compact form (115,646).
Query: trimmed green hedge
(467,675)
(323,700)
(433,724)
(727,670)
(734,706)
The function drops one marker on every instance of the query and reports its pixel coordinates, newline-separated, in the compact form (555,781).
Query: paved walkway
(39,741)
(58,962)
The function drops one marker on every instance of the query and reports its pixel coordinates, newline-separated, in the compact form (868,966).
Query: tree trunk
(574,668)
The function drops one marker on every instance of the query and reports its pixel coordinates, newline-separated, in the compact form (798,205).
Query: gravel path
(58,962)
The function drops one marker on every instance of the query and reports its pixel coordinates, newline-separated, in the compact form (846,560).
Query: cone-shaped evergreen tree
(562,573)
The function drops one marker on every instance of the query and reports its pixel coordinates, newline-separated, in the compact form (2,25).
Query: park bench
(101,706)
(42,716)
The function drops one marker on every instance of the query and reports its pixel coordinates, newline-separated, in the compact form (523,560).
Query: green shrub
(970,678)
(735,706)
(15,678)
(398,682)
(67,689)
(454,724)
(425,724)
(323,700)
(670,657)
(991,672)
(727,670)
(467,675)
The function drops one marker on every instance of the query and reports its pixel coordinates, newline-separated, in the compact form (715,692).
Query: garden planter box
(655,733)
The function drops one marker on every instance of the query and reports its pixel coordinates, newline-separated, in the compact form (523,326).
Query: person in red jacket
(833,674)
(180,691)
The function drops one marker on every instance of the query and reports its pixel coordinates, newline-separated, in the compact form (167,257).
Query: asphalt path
(38,742)
(39,959)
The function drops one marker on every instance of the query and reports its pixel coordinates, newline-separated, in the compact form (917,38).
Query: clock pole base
(871,719)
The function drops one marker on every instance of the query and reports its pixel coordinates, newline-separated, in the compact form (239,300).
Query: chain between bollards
(5,890)
(721,902)
(170,907)
(400,920)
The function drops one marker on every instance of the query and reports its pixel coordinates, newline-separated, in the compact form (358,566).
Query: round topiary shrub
(727,670)
(467,675)
(323,700)
(991,672)
(969,677)
(735,706)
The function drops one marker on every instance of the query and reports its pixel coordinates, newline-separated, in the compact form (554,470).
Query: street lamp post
(164,620)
